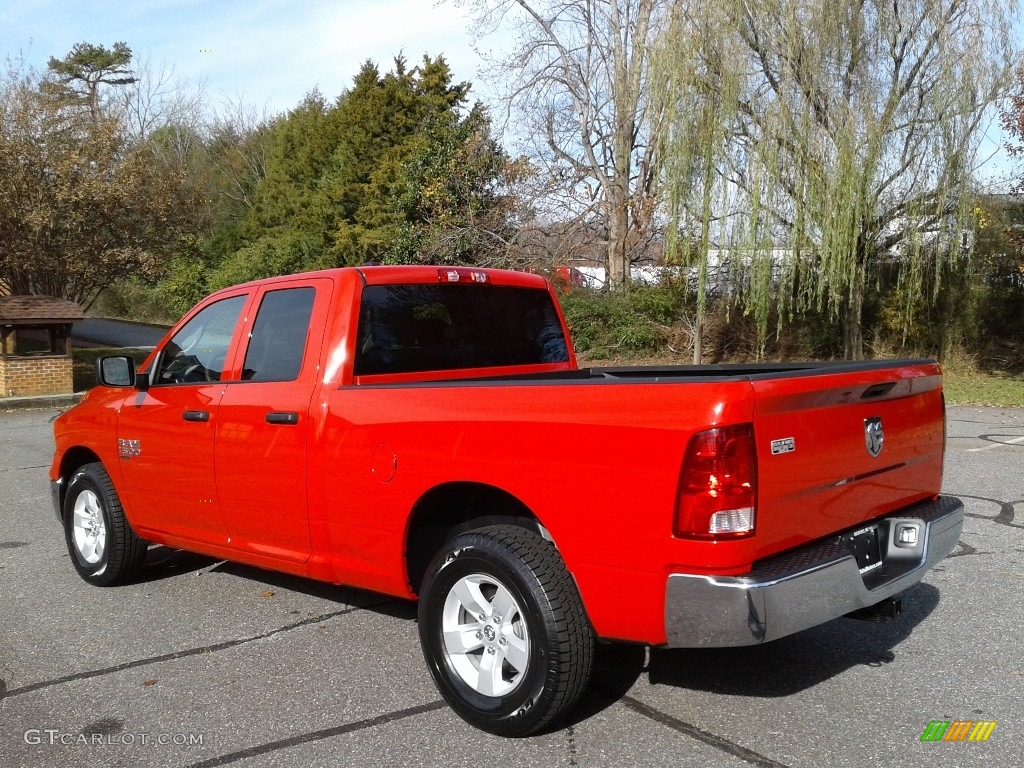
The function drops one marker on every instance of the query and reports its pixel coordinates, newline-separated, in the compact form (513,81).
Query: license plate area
(863,544)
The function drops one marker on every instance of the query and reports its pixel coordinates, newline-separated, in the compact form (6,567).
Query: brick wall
(35,375)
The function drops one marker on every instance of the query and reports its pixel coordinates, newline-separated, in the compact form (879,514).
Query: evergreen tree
(384,120)
(395,170)
(453,198)
(80,74)
(288,228)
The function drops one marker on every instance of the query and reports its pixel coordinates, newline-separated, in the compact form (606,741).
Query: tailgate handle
(877,390)
(282,417)
(196,415)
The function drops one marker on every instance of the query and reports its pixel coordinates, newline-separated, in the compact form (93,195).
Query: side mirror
(115,371)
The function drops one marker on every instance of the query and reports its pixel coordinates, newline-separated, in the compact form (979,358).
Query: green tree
(79,206)
(384,122)
(997,282)
(288,222)
(395,170)
(80,74)
(454,197)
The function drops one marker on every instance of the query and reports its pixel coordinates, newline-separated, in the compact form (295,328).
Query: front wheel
(503,630)
(103,547)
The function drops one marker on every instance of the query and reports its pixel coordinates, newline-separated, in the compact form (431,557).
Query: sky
(269,52)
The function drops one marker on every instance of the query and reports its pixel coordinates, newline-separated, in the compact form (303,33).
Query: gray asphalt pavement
(118,333)
(206,663)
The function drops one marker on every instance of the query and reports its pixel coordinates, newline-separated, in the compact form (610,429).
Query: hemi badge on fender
(785,445)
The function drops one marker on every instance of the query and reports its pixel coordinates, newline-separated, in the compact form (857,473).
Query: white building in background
(717,277)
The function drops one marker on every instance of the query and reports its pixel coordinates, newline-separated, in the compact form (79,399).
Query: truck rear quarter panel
(597,463)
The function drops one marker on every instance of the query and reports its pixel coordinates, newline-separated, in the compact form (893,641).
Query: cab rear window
(412,328)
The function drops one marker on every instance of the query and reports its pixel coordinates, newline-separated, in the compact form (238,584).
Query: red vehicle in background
(567,279)
(408,430)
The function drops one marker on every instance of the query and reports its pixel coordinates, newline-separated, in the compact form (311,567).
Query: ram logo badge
(128,449)
(874,437)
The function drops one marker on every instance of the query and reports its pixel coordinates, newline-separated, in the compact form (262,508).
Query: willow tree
(844,135)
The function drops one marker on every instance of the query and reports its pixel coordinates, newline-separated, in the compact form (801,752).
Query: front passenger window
(198,352)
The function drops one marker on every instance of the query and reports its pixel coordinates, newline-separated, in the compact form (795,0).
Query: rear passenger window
(277,343)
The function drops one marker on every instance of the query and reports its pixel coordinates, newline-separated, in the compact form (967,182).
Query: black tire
(117,555)
(541,651)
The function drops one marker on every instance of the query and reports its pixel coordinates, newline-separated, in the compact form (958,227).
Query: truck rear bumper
(810,585)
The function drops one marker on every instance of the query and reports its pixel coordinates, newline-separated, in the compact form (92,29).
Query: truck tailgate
(837,449)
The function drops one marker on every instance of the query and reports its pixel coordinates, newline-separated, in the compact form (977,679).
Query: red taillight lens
(718,485)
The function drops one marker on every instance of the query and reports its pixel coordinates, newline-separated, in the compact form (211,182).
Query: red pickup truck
(425,432)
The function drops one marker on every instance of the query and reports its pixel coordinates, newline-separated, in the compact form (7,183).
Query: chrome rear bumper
(807,586)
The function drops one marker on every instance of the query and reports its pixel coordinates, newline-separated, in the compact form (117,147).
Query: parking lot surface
(207,663)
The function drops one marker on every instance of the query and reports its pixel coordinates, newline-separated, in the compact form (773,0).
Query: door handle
(283,417)
(196,415)
(877,390)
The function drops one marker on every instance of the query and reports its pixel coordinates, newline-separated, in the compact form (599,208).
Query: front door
(166,433)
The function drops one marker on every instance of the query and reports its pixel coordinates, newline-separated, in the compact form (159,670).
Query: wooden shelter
(35,345)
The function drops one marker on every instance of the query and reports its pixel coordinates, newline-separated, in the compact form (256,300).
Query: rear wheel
(503,630)
(104,549)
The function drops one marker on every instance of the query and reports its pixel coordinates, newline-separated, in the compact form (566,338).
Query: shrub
(637,321)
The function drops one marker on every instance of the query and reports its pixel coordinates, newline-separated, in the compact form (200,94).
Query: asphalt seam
(570,734)
(698,734)
(188,652)
(326,733)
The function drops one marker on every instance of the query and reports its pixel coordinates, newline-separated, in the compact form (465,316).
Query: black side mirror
(115,371)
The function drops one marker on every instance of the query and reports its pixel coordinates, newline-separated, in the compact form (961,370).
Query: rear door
(263,426)
(837,449)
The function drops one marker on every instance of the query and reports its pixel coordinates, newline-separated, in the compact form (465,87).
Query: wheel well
(452,508)
(74,458)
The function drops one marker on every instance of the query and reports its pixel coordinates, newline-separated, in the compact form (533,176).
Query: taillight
(462,275)
(718,485)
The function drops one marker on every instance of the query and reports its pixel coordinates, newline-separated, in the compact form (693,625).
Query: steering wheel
(196,368)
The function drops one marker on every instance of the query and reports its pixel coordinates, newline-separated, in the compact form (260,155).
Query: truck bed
(674,373)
